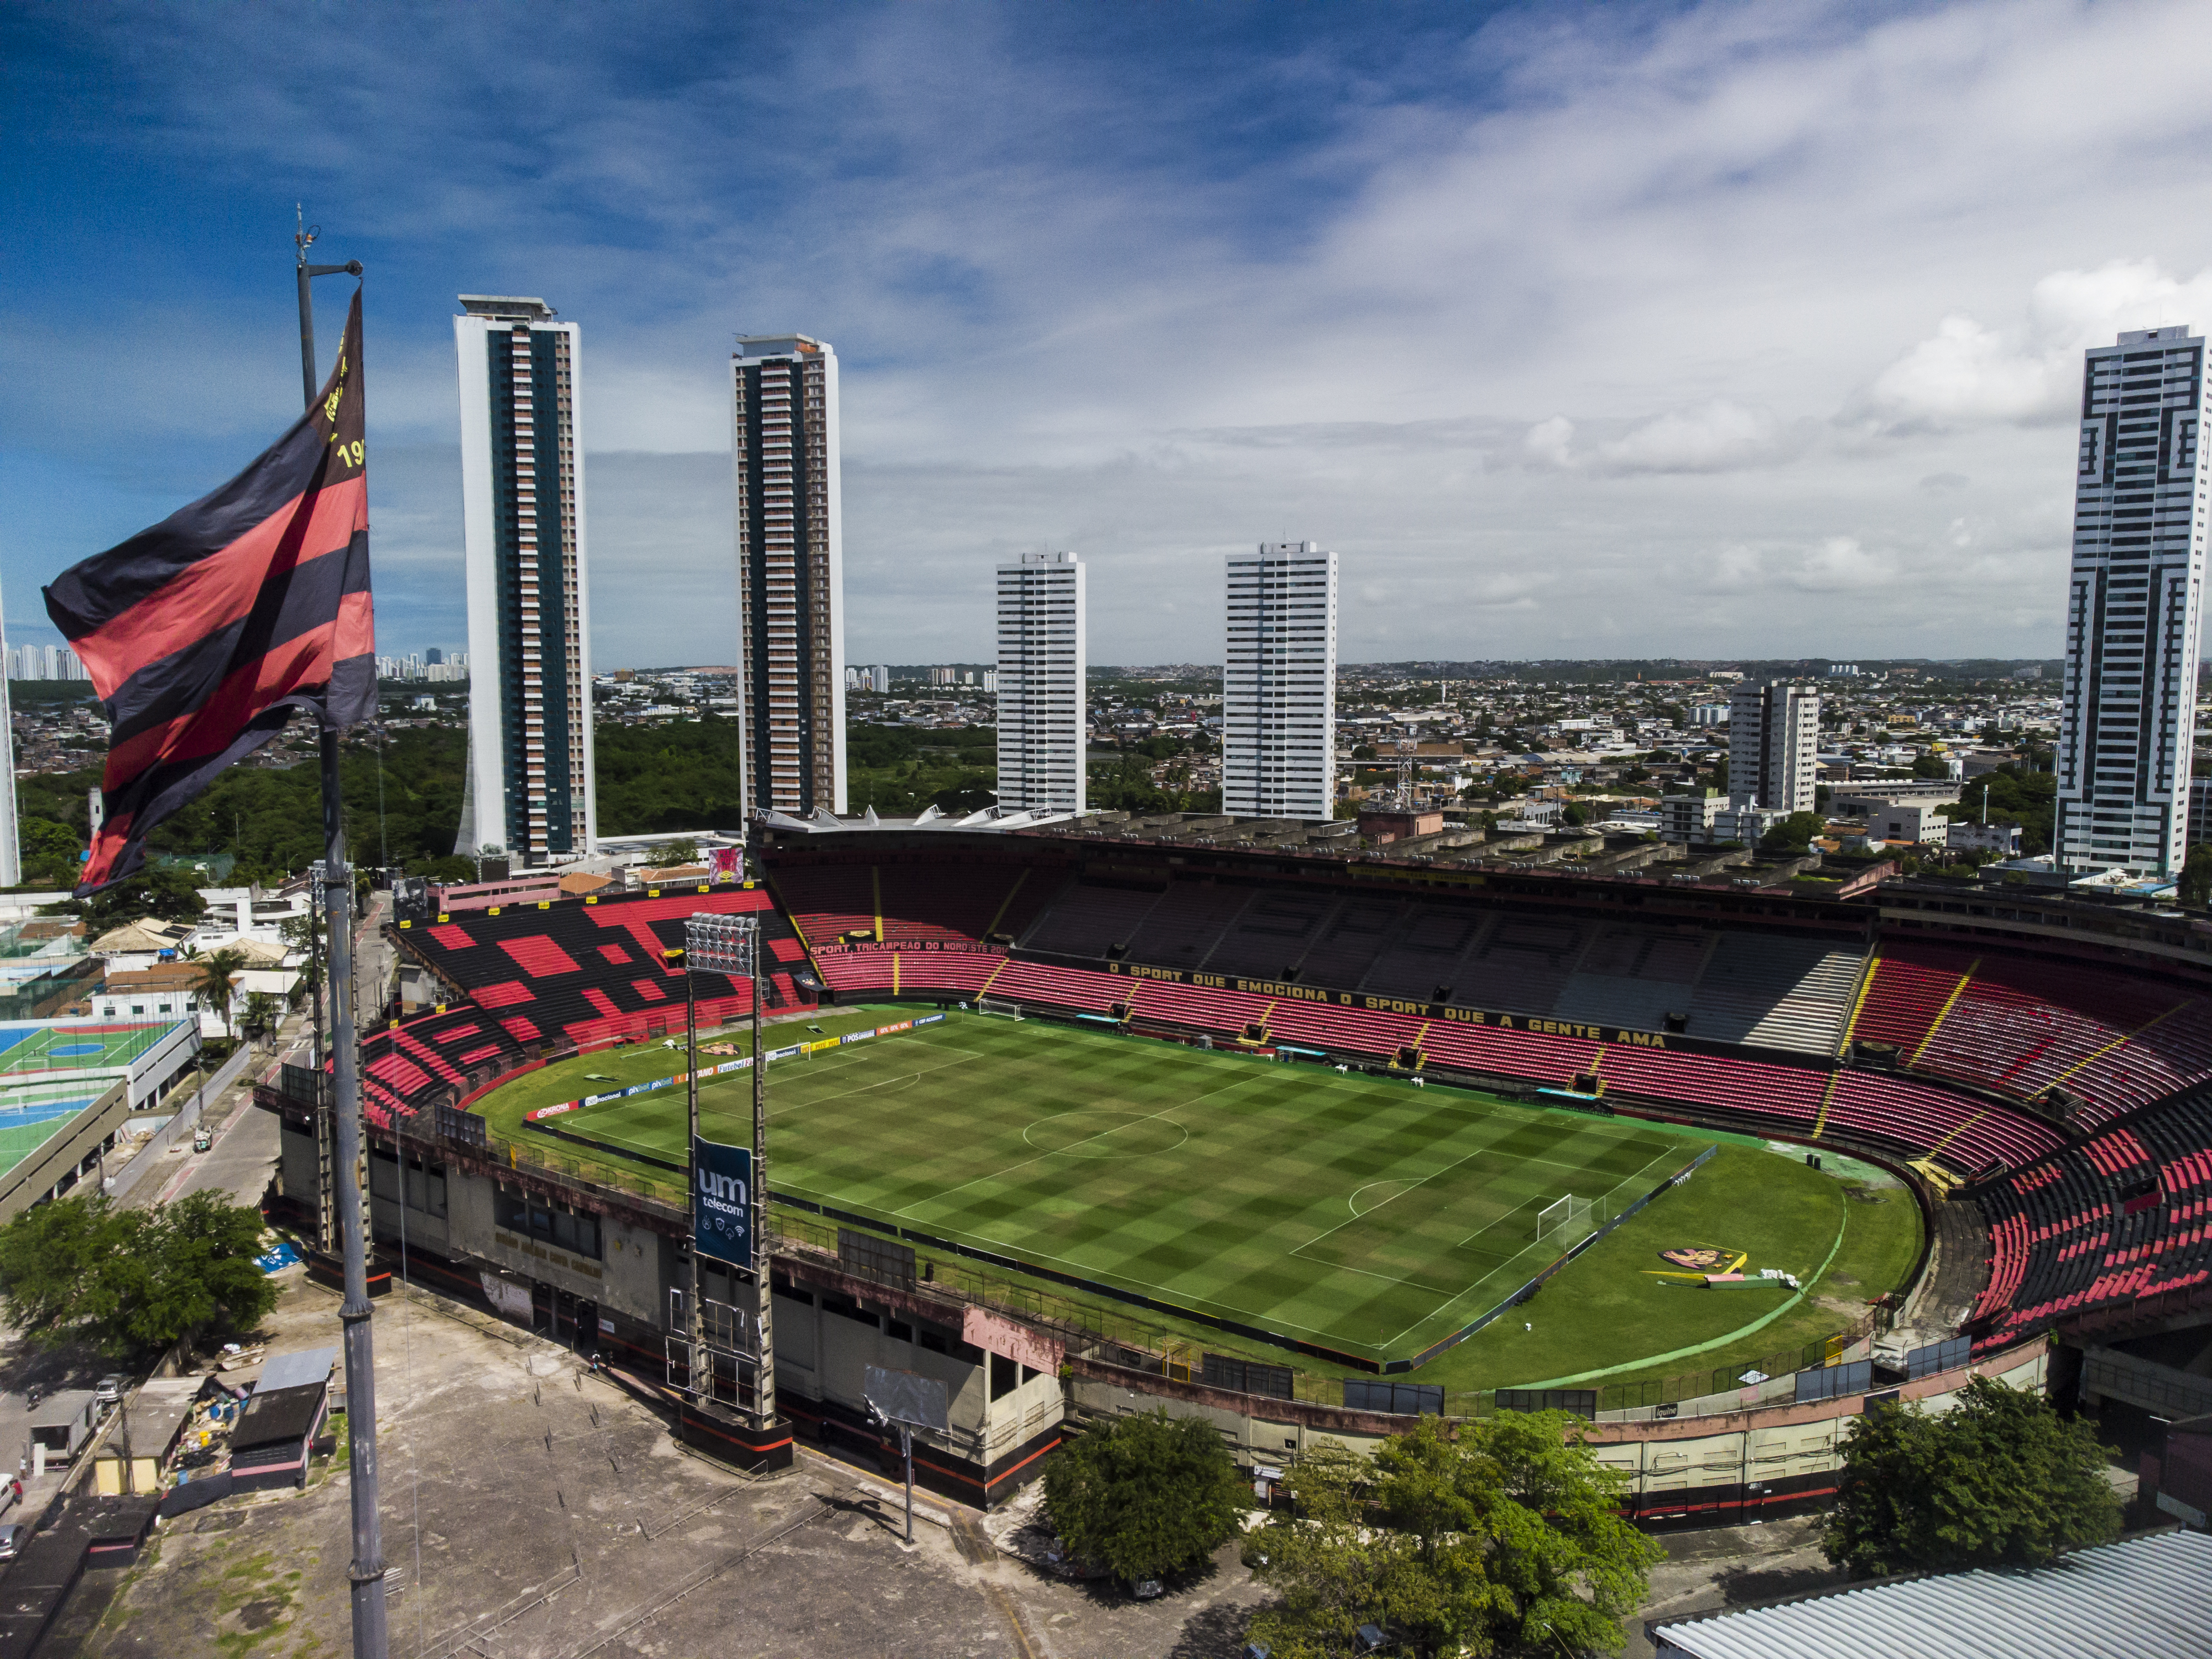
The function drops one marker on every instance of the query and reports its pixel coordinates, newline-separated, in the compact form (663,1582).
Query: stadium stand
(1523,964)
(1420,960)
(1638,977)
(826,902)
(581,972)
(1775,993)
(2023,1024)
(2124,1215)
(1345,945)
(434,1056)
(1090,918)
(1270,938)
(1182,929)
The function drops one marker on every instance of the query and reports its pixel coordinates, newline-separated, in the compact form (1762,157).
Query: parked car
(108,1390)
(1147,1590)
(202,1141)
(11,1542)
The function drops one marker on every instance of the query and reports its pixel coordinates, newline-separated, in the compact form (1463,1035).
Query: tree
(1792,836)
(2196,875)
(218,970)
(261,1013)
(1575,813)
(1500,1541)
(2000,1479)
(163,895)
(1146,1495)
(50,853)
(130,1281)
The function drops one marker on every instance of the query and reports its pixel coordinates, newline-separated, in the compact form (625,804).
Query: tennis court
(1355,1213)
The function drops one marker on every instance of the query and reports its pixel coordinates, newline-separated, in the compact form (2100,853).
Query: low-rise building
(1689,817)
(2002,839)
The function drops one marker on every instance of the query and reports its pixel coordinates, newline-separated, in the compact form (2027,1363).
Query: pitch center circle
(1091,1132)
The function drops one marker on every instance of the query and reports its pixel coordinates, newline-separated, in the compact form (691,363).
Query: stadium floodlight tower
(728,1184)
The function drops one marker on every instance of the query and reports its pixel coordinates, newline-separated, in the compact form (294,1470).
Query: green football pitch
(1356,1213)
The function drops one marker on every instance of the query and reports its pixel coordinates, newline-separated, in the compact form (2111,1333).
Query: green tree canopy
(1146,1495)
(1502,1541)
(2027,799)
(161,895)
(50,853)
(2000,1479)
(2196,875)
(130,1281)
(1792,836)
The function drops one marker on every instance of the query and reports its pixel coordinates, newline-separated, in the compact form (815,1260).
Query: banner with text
(722,1201)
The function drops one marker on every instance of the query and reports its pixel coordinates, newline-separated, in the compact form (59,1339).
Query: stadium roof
(2149,1598)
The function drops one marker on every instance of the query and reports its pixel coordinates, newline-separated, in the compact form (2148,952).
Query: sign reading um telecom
(722,1201)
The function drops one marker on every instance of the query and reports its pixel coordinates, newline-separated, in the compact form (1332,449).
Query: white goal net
(999,1007)
(1567,1220)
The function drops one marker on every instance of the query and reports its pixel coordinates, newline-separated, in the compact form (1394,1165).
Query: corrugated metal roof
(2149,1598)
(295,1370)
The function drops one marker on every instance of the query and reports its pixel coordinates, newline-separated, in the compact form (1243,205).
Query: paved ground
(533,1511)
(1732,1567)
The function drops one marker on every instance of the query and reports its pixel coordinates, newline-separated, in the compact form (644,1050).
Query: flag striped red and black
(205,632)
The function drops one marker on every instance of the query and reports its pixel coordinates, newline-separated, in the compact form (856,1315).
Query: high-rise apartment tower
(1042,734)
(1278,691)
(791,572)
(2128,706)
(1774,744)
(529,788)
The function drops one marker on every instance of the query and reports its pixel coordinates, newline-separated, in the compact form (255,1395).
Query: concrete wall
(1745,1460)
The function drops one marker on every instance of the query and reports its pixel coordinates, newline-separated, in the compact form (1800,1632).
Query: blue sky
(1609,329)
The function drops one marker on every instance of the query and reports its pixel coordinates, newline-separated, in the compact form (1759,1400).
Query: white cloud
(1966,372)
(1732,329)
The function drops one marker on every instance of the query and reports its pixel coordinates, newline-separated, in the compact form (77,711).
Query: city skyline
(1632,440)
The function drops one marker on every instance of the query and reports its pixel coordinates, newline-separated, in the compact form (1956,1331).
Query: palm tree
(260,1015)
(217,970)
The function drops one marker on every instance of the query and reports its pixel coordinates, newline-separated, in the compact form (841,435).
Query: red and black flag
(205,632)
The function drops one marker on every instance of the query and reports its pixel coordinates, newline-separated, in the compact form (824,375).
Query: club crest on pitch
(1698,1258)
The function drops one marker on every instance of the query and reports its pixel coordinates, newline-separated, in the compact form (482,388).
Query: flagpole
(370,1637)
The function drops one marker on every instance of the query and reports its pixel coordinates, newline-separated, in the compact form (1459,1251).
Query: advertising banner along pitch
(722,1201)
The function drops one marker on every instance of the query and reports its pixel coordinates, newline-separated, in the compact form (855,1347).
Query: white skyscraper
(1774,744)
(11,852)
(791,572)
(1042,730)
(529,789)
(2127,714)
(1279,692)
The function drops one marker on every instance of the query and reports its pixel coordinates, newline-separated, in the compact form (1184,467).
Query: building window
(538,1219)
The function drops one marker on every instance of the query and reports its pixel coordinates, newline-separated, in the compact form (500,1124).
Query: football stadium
(1115,1113)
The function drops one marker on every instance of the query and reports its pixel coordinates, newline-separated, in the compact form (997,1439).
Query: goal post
(1562,1219)
(998,1007)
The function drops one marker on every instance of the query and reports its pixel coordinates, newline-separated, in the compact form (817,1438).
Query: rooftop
(2150,1598)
